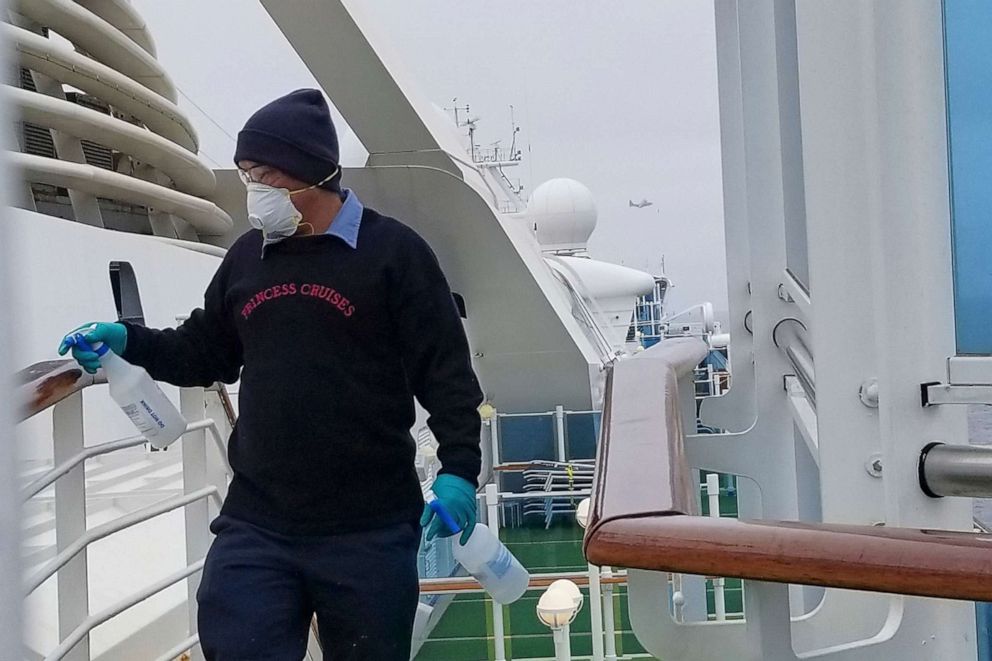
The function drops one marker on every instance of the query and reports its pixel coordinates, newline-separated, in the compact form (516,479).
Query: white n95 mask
(271,209)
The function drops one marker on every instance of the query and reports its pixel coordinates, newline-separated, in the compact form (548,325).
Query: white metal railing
(204,483)
(46,480)
(180,648)
(685,323)
(91,622)
(111,527)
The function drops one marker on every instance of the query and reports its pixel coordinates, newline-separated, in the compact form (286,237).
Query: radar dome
(563,214)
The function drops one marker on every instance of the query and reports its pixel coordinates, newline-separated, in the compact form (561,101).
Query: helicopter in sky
(640,205)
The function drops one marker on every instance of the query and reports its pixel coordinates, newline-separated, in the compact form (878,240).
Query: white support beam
(70,523)
(10,510)
(377,98)
(197,518)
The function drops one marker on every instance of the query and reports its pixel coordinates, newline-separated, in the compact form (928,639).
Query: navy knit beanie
(295,134)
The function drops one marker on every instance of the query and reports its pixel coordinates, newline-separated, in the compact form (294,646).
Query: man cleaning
(334,317)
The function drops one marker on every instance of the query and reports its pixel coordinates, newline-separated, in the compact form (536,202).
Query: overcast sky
(620,96)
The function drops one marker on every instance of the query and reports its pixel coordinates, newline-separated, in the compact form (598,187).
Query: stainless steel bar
(956,470)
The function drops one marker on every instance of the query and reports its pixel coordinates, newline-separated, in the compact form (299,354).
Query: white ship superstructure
(854,334)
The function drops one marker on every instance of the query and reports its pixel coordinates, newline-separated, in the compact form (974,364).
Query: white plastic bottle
(486,558)
(154,415)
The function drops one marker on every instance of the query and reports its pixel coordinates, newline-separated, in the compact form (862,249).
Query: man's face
(270,176)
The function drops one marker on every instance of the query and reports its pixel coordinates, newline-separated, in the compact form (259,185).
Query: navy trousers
(259,590)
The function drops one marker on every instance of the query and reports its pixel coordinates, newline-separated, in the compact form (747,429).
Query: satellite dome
(562,213)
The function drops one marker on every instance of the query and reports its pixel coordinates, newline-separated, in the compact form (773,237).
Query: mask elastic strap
(319,183)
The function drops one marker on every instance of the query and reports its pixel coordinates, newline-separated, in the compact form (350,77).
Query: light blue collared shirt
(346,223)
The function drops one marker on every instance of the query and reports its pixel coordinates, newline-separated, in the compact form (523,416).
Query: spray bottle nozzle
(444,515)
(80,341)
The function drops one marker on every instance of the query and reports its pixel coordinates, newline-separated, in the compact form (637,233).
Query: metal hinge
(969,381)
(934,393)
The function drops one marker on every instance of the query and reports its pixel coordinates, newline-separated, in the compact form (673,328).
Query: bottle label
(501,563)
(143,422)
(156,420)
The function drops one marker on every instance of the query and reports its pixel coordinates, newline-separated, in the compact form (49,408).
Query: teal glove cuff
(458,497)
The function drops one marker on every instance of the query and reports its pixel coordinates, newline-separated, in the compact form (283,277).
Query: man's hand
(458,497)
(113,335)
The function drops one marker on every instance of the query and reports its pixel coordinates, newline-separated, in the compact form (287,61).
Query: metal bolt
(874,465)
(868,392)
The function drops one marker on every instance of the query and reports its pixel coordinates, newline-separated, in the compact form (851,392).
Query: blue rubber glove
(113,335)
(458,497)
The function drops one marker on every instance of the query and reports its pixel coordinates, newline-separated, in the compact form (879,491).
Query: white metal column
(492,514)
(609,622)
(70,522)
(197,514)
(875,148)
(10,527)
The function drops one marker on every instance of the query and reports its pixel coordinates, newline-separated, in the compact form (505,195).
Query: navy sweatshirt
(332,344)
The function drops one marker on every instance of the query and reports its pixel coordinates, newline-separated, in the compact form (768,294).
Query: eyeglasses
(256,173)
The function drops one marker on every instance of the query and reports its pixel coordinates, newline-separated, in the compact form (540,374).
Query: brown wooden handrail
(47,383)
(641,518)
(927,563)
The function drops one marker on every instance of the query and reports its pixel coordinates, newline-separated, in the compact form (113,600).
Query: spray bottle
(486,558)
(154,415)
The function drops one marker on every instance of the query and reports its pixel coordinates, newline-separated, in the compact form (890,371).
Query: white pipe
(494,436)
(531,495)
(179,648)
(609,628)
(94,621)
(492,516)
(109,528)
(596,613)
(46,480)
(563,643)
(713,493)
(560,432)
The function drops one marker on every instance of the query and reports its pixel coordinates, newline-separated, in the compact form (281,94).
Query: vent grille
(38,141)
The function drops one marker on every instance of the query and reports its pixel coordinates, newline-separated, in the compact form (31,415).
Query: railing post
(194,448)
(609,623)
(494,437)
(713,494)
(560,432)
(595,613)
(70,522)
(492,512)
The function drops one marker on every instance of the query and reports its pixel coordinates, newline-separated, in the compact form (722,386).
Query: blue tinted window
(968,48)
